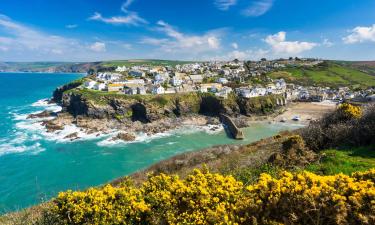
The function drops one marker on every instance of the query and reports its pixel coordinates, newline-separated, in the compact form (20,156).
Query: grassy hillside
(150,62)
(81,67)
(327,74)
(347,161)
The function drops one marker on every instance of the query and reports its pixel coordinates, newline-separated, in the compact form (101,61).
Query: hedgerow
(206,198)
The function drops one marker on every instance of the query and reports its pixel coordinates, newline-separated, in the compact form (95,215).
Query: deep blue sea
(35,165)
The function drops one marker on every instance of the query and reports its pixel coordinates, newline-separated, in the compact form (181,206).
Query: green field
(149,62)
(344,161)
(327,74)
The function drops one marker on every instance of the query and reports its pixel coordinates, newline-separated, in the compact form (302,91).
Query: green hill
(329,73)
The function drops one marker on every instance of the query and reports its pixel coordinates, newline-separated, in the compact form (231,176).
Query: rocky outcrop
(124,137)
(59,92)
(147,109)
(44,114)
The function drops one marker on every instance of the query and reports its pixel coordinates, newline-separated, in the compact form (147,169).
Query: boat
(296,118)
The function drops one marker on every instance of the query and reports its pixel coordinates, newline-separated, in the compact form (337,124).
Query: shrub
(205,198)
(348,126)
(295,141)
(350,111)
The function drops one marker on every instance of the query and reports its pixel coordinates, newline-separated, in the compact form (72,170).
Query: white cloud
(180,42)
(279,44)
(71,26)
(258,8)
(131,19)
(21,38)
(126,5)
(250,54)
(234,45)
(25,43)
(361,34)
(98,47)
(327,43)
(225,4)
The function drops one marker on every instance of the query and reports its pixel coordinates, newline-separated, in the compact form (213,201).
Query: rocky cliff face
(57,95)
(153,108)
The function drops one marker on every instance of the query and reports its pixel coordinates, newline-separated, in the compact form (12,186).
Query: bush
(205,198)
(349,111)
(347,126)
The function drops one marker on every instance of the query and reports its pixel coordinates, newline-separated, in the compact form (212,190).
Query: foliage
(350,111)
(293,141)
(347,126)
(206,198)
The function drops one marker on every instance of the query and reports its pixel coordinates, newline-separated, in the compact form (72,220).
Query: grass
(344,161)
(150,62)
(328,74)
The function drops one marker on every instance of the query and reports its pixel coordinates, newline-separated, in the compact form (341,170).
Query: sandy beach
(306,111)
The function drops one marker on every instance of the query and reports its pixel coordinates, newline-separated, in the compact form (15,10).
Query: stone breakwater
(234,131)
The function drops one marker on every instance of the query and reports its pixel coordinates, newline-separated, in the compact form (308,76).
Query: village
(218,78)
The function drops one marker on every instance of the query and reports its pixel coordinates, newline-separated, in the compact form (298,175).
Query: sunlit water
(35,165)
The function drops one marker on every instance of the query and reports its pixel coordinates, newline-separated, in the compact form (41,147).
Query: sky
(95,30)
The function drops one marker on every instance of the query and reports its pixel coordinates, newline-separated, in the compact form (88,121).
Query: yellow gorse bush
(206,198)
(350,111)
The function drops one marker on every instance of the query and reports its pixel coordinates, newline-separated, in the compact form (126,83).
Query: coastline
(61,126)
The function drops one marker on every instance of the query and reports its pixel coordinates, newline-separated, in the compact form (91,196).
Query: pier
(234,131)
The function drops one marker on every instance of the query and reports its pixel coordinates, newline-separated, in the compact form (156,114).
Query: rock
(72,136)
(43,114)
(124,137)
(51,126)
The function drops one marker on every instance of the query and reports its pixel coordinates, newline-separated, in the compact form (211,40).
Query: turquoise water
(35,166)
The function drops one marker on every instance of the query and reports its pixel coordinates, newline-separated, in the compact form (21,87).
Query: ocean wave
(9,148)
(46,105)
(144,138)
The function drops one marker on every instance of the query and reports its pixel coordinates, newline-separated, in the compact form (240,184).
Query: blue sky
(90,30)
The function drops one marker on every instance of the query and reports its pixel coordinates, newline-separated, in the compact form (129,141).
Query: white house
(222,80)
(176,81)
(160,78)
(134,81)
(224,92)
(121,69)
(89,84)
(158,89)
(108,76)
(100,86)
(196,79)
(137,73)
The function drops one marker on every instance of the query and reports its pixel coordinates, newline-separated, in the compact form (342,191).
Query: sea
(35,165)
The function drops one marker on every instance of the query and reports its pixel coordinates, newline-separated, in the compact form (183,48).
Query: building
(100,86)
(89,84)
(176,81)
(115,87)
(158,89)
(196,79)
(222,80)
(121,69)
(211,87)
(223,93)
(136,73)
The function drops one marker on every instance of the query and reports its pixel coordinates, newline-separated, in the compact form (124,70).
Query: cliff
(149,108)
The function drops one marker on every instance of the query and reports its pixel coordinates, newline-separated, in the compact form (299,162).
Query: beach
(306,111)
